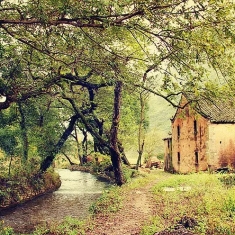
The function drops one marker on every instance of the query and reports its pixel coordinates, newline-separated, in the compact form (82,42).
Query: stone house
(203,136)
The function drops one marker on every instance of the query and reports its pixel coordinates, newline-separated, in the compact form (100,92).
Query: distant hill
(160,113)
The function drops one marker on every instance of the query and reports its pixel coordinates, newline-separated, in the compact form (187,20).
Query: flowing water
(78,190)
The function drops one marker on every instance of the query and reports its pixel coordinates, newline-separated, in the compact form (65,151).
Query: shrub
(101,162)
(129,173)
(228,180)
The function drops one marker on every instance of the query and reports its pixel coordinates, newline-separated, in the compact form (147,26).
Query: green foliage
(199,196)
(229,204)
(100,163)
(109,202)
(160,156)
(129,173)
(155,225)
(9,132)
(228,180)
(69,226)
(5,230)
(8,142)
(43,129)
(8,117)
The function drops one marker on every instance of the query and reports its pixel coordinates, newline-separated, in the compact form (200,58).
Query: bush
(228,180)
(129,173)
(101,162)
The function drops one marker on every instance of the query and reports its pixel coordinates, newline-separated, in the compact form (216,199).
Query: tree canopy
(84,56)
(130,39)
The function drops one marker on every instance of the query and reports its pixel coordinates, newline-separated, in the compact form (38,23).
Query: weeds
(210,203)
(155,225)
(109,202)
(70,226)
(5,230)
(18,188)
(228,180)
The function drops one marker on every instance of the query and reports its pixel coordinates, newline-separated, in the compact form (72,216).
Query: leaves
(49,48)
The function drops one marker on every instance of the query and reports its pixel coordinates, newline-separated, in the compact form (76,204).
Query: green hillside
(160,113)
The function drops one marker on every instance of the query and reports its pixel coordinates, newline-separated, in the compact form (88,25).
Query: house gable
(189,132)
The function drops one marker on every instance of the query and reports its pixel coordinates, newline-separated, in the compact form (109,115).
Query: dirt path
(138,208)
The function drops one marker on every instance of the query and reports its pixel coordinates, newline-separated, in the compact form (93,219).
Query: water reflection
(78,190)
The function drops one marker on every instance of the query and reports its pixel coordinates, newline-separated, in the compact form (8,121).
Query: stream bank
(24,187)
(77,192)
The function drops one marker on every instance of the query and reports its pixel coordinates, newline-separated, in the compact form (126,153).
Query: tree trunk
(23,134)
(78,147)
(123,155)
(140,151)
(69,160)
(114,149)
(141,132)
(9,167)
(112,144)
(84,146)
(46,163)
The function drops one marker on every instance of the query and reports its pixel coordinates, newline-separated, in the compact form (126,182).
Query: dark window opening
(178,157)
(187,111)
(196,158)
(195,127)
(178,131)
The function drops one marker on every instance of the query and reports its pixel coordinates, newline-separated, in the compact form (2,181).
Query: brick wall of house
(221,145)
(189,139)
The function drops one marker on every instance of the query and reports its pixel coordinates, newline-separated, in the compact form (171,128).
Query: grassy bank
(25,186)
(209,199)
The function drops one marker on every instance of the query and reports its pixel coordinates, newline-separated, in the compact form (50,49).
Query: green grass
(70,226)
(208,201)
(5,230)
(109,202)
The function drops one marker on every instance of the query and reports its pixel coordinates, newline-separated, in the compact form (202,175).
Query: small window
(187,111)
(178,131)
(195,127)
(196,158)
(178,157)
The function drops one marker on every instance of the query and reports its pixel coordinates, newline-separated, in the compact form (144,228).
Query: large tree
(164,47)
(171,40)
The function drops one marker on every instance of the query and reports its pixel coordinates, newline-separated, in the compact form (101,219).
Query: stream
(77,192)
